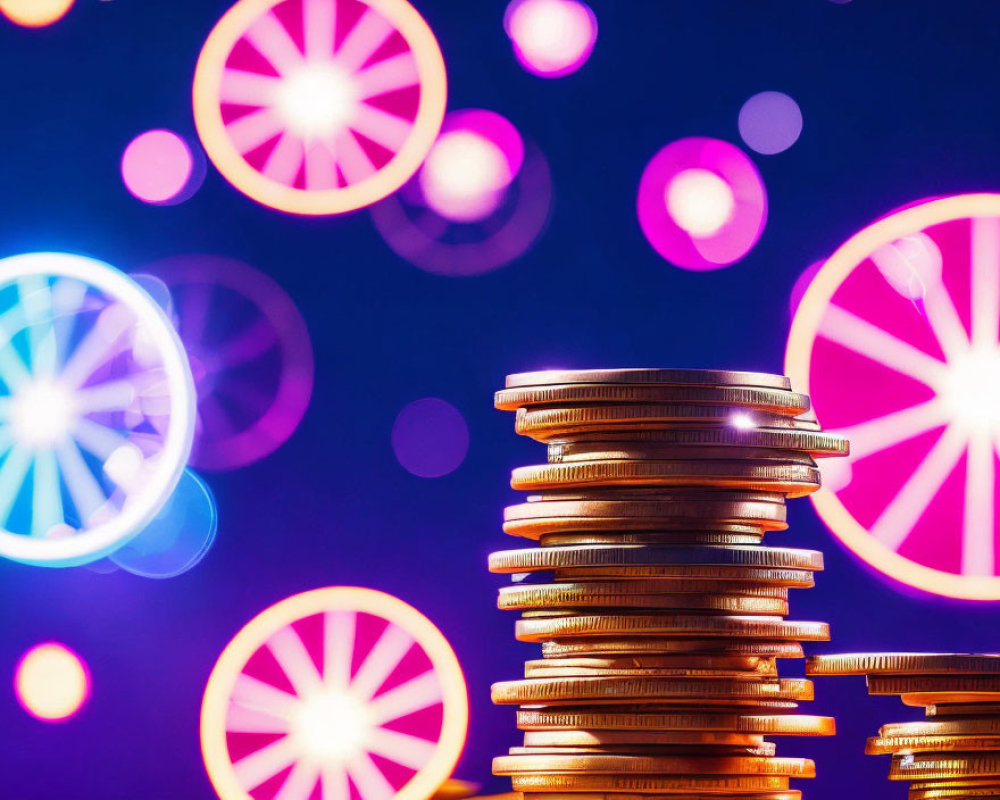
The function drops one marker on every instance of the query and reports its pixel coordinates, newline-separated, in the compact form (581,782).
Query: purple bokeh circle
(430,438)
(770,122)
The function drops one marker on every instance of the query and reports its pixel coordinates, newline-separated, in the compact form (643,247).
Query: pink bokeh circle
(702,203)
(551,38)
(158,167)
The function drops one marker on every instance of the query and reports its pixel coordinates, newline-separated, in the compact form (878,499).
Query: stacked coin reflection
(660,613)
(953,753)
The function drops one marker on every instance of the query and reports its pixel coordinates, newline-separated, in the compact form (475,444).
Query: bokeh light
(551,38)
(322,122)
(702,203)
(158,167)
(795,297)
(897,340)
(96,409)
(345,682)
(770,122)
(250,355)
(35,13)
(471,164)
(430,438)
(178,538)
(51,682)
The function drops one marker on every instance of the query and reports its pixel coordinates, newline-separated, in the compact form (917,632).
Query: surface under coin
(615,625)
(903,664)
(735,691)
(601,719)
(613,645)
(642,375)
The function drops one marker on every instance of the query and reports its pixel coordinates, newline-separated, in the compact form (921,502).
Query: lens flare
(51,682)
(551,38)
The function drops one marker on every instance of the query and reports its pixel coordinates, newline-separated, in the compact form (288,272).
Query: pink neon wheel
(340,693)
(319,106)
(250,355)
(896,340)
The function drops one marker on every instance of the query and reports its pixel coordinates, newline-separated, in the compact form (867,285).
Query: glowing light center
(699,201)
(42,413)
(463,174)
(331,725)
(972,390)
(317,101)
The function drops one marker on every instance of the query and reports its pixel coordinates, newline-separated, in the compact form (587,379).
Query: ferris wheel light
(700,201)
(331,725)
(317,101)
(971,391)
(42,413)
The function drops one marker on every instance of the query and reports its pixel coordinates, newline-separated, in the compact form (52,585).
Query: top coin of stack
(954,752)
(660,613)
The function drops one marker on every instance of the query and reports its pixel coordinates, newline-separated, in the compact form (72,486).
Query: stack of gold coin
(954,752)
(660,613)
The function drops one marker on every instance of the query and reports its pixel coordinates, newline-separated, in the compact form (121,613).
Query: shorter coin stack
(955,752)
(660,613)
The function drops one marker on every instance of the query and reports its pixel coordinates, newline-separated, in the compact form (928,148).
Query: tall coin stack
(954,753)
(660,613)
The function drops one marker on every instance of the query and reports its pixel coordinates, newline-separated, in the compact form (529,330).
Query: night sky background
(898,103)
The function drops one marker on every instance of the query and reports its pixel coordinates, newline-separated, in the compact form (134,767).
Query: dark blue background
(900,102)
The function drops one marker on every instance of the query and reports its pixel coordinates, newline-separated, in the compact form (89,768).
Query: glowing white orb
(463,176)
(551,37)
(42,413)
(51,682)
(331,725)
(699,201)
(972,390)
(317,101)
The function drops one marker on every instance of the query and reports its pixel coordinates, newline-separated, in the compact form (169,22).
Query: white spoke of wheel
(410,751)
(388,75)
(285,160)
(985,281)
(97,439)
(300,782)
(255,694)
(319,18)
(252,770)
(416,694)
(321,166)
(295,661)
(13,371)
(977,522)
(68,296)
(371,783)
(251,130)
(84,490)
(46,501)
(381,127)
(96,347)
(352,158)
(248,88)
(338,648)
(36,299)
(273,42)
(113,395)
(945,322)
(881,433)
(382,659)
(335,786)
(240,719)
(905,509)
(12,474)
(368,35)
(870,341)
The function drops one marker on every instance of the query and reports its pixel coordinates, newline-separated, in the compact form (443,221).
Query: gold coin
(741,556)
(651,784)
(762,750)
(557,668)
(925,699)
(793,480)
(749,627)
(791,794)
(601,646)
(955,709)
(778,401)
(953,782)
(601,719)
(744,534)
(727,575)
(664,377)
(903,664)
(604,450)
(926,766)
(655,765)
(736,691)
(606,595)
(886,745)
(942,684)
(985,726)
(453,789)
(955,792)
(723,663)
(640,738)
